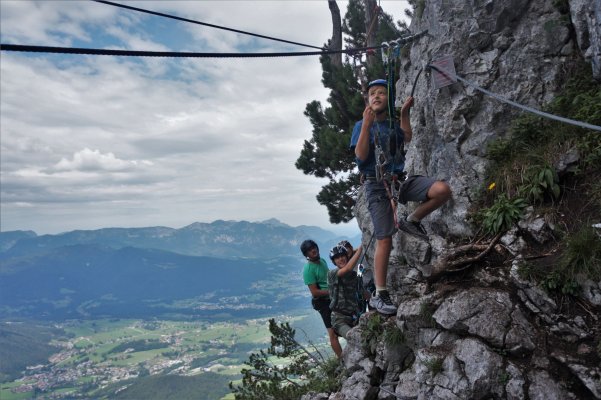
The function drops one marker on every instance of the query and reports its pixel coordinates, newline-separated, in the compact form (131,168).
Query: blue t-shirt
(382,129)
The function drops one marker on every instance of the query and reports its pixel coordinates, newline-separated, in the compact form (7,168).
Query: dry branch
(451,261)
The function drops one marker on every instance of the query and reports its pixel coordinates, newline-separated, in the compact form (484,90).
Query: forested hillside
(97,281)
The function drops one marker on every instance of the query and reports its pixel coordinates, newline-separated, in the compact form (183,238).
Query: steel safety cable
(581,124)
(415,81)
(389,392)
(179,54)
(110,3)
(176,54)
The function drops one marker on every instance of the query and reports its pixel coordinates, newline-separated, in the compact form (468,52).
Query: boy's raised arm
(350,263)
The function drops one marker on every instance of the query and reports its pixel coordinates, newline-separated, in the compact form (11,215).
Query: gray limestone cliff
(489,334)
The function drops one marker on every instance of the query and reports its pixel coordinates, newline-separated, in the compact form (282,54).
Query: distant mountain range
(221,269)
(223,239)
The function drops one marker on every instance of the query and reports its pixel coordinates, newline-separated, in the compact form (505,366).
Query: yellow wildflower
(492,186)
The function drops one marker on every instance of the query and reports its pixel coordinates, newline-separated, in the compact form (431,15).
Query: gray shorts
(415,188)
(342,323)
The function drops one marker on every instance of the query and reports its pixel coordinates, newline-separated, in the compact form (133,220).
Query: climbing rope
(513,103)
(366,248)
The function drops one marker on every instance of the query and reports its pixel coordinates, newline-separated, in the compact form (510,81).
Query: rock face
(490,334)
(586,17)
(516,49)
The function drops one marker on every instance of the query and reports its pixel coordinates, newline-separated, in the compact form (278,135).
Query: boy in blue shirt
(376,136)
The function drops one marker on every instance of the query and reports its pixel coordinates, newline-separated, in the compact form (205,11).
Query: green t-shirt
(316,273)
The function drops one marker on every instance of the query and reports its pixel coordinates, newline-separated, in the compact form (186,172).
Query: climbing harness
(393,189)
(392,182)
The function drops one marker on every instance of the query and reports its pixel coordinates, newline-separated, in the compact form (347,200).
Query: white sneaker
(382,303)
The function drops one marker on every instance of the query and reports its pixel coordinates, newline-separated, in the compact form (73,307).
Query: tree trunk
(336,41)
(371,27)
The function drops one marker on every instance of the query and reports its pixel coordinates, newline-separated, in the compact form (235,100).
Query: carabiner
(385,48)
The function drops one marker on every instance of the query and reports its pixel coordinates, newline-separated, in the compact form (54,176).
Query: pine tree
(327,153)
(286,370)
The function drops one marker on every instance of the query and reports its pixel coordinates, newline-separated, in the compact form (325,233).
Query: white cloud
(94,160)
(51,23)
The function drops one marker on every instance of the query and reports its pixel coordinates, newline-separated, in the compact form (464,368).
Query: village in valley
(104,354)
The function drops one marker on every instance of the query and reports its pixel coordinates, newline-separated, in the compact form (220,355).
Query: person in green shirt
(315,276)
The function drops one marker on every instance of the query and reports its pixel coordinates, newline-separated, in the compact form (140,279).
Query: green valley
(160,359)
(148,313)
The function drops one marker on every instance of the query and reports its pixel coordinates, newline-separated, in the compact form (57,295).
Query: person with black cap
(315,276)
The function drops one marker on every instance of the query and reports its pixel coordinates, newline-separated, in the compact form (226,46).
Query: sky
(90,142)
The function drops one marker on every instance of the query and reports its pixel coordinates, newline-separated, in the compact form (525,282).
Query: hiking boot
(382,303)
(413,228)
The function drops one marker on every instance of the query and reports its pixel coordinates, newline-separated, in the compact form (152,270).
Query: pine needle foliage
(286,370)
(327,153)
